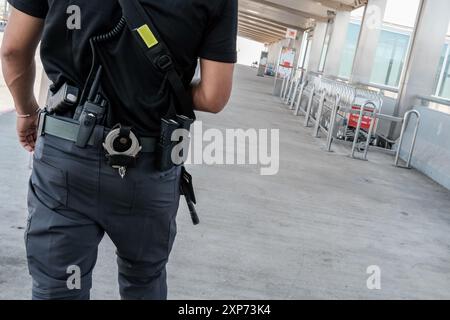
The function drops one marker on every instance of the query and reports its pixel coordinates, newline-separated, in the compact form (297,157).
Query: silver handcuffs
(129,148)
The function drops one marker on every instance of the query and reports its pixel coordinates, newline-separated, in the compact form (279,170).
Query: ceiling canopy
(266,21)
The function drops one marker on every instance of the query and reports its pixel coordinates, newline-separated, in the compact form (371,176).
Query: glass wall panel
(394,42)
(349,52)
(390,58)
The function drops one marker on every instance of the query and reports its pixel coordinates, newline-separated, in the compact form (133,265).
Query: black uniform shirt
(190,28)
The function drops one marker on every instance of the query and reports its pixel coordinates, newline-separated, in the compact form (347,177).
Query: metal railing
(406,121)
(426,99)
(330,101)
(341,100)
(338,99)
(380,87)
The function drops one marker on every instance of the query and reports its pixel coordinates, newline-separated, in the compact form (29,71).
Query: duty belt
(68,130)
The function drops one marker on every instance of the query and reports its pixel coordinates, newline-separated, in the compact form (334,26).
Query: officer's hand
(27,131)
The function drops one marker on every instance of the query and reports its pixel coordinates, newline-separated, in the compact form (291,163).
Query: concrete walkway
(309,232)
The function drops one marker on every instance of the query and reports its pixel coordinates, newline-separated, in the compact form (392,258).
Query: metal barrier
(283,84)
(414,138)
(285,87)
(294,95)
(338,99)
(299,98)
(289,91)
(362,111)
(334,98)
(316,90)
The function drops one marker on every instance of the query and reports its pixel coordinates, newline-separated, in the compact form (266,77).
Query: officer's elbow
(217,103)
(8,52)
(11,53)
(212,101)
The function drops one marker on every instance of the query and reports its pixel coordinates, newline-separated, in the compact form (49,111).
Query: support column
(368,41)
(337,43)
(316,46)
(428,42)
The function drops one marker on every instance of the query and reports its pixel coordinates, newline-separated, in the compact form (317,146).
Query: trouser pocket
(146,237)
(49,184)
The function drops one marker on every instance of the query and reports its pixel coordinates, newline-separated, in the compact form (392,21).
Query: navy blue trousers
(75,197)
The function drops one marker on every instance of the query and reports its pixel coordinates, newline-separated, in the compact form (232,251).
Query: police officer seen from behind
(121,75)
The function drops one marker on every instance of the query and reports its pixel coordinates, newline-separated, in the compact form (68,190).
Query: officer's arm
(19,45)
(214,90)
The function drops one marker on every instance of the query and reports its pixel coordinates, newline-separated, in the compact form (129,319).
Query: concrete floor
(309,232)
